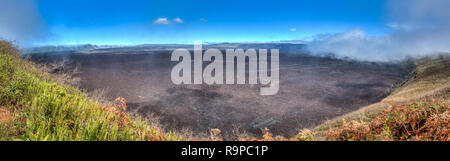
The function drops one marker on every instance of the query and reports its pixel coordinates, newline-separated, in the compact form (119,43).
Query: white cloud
(398,26)
(419,28)
(161,21)
(204,20)
(178,20)
(293,29)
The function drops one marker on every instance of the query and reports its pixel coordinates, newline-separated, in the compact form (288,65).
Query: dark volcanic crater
(312,90)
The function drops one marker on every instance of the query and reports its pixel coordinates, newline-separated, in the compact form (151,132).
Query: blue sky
(133,21)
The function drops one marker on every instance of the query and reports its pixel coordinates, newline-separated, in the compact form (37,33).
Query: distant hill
(59,48)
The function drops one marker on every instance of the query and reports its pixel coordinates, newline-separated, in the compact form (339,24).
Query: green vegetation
(422,121)
(33,106)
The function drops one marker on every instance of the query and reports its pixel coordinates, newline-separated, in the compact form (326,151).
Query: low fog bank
(418,29)
(21,22)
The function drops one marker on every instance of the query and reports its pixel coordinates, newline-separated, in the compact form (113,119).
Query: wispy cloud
(203,20)
(161,21)
(293,29)
(420,28)
(178,20)
(21,21)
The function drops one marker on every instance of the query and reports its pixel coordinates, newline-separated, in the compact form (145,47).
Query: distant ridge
(60,48)
(285,47)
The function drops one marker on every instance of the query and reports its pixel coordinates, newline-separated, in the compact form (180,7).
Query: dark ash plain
(312,89)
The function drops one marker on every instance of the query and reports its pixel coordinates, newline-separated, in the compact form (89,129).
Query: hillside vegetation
(419,109)
(33,106)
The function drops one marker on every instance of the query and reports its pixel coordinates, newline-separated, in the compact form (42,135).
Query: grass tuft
(429,120)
